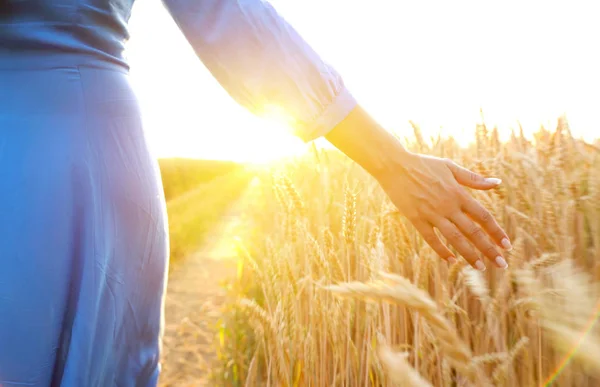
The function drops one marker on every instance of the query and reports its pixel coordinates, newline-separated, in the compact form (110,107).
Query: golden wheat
(339,290)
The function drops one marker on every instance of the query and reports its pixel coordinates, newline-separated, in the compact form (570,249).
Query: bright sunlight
(433,62)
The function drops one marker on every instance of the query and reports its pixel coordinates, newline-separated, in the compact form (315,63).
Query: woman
(83,231)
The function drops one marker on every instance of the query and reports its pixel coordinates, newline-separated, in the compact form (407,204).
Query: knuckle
(458,197)
(476,232)
(456,190)
(456,235)
(486,216)
(464,197)
(420,207)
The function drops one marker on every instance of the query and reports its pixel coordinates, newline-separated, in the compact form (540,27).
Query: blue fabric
(83,231)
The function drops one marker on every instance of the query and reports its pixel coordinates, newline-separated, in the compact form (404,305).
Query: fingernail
(506,244)
(493,180)
(452,260)
(501,262)
(479,265)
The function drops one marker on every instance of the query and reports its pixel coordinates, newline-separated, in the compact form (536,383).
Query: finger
(479,238)
(430,237)
(485,218)
(460,243)
(471,179)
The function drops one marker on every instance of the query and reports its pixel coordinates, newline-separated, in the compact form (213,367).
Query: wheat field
(335,288)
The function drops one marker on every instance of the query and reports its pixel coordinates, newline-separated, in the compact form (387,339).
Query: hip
(86,124)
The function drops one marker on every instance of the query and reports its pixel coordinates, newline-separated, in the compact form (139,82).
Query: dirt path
(194,297)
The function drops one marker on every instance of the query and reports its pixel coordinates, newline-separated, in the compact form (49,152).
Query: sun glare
(277,116)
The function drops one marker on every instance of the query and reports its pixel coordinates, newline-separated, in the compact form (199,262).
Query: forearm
(362,139)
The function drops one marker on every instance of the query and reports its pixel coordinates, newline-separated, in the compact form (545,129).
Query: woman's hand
(430,192)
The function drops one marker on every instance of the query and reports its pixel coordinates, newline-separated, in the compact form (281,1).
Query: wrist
(375,149)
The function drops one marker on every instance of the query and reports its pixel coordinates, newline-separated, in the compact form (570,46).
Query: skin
(430,191)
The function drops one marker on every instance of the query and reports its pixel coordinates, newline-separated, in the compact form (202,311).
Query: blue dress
(83,230)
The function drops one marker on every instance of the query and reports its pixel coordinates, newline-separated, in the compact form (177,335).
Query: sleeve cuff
(330,117)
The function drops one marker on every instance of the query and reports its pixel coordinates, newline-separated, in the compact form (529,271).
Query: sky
(433,62)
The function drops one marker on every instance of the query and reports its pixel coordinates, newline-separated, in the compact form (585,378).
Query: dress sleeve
(261,61)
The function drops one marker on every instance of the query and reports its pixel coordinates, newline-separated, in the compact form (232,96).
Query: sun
(275,124)
(276,116)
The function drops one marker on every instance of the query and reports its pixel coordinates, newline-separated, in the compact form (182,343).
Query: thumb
(471,179)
